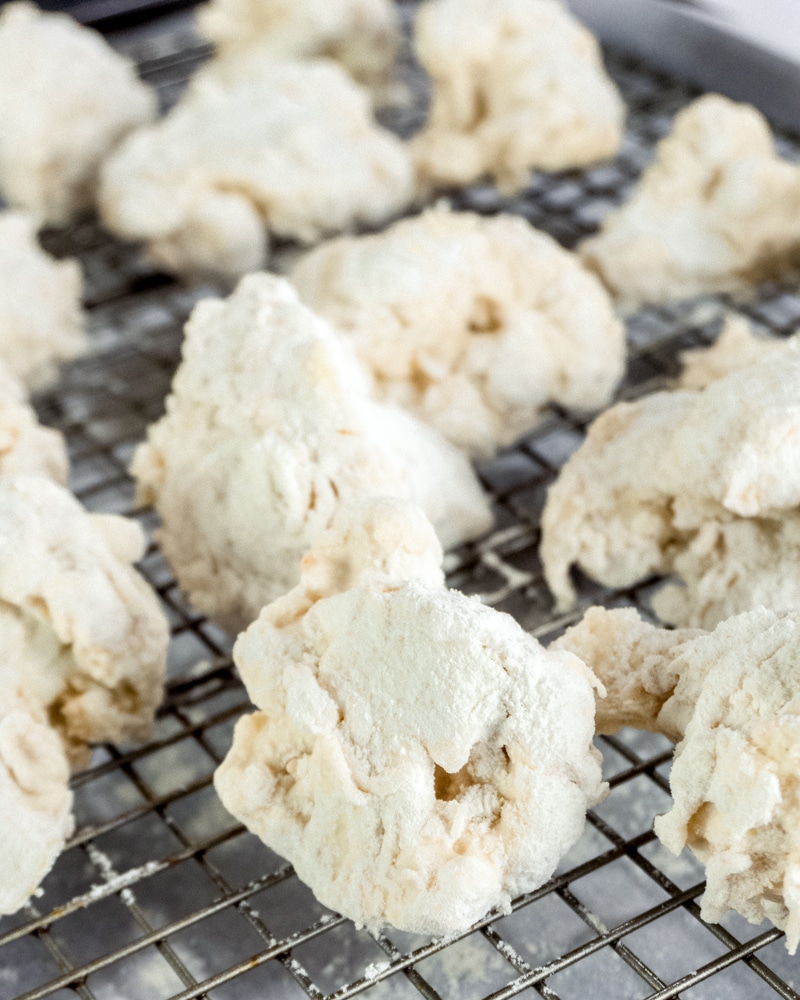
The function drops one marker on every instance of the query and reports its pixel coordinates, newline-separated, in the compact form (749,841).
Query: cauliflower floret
(35,801)
(737,347)
(66,98)
(474,324)
(26,447)
(417,757)
(41,321)
(717,210)
(81,630)
(704,485)
(269,427)
(288,147)
(517,85)
(362,35)
(83,646)
(732,698)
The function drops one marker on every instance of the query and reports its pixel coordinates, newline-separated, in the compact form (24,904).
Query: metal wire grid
(161,894)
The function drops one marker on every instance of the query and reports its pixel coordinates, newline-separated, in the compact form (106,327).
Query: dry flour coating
(41,320)
(269,427)
(717,210)
(704,485)
(732,699)
(83,646)
(66,99)
(26,447)
(274,146)
(517,85)
(474,324)
(362,35)
(416,755)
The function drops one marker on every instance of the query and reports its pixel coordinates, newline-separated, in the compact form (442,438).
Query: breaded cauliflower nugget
(417,757)
(472,323)
(717,210)
(517,85)
(82,659)
(87,631)
(66,99)
(704,485)
(732,699)
(737,347)
(269,427)
(26,447)
(35,799)
(362,35)
(41,320)
(289,148)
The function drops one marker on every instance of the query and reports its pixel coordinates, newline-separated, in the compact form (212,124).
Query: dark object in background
(114,15)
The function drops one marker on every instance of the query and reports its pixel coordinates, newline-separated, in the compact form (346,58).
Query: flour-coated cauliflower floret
(417,757)
(362,35)
(718,209)
(732,697)
(736,347)
(473,323)
(517,85)
(632,659)
(35,802)
(41,322)
(705,485)
(289,147)
(269,427)
(78,625)
(66,98)
(26,447)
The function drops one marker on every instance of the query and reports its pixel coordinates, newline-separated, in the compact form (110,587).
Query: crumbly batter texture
(26,447)
(35,801)
(732,698)
(416,755)
(362,35)
(704,485)
(517,85)
(270,426)
(474,324)
(41,320)
(717,210)
(83,646)
(80,627)
(66,99)
(286,147)
(737,347)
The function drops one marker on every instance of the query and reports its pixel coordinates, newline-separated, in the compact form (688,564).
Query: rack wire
(160,893)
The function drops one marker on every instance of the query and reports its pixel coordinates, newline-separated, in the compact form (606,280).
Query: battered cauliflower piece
(35,801)
(362,35)
(288,147)
(737,347)
(269,428)
(80,630)
(732,698)
(717,210)
(702,485)
(517,85)
(417,757)
(41,321)
(474,324)
(25,446)
(66,99)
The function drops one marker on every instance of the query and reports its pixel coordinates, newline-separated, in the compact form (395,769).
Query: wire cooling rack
(161,894)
